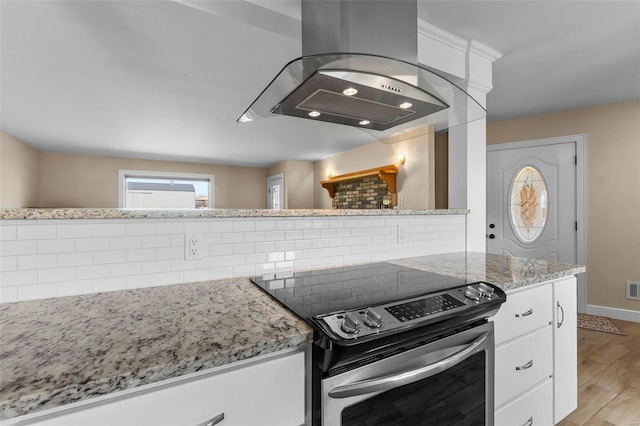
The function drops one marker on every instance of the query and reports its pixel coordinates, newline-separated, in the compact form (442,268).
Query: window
(528,207)
(140,189)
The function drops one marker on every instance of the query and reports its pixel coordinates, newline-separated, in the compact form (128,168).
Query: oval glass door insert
(529,202)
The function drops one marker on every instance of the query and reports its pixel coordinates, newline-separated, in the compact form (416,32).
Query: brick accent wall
(366,193)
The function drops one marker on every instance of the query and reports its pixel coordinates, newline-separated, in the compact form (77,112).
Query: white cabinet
(269,392)
(536,353)
(565,348)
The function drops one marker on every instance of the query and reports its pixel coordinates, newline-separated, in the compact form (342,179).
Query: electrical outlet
(192,246)
(633,290)
(402,234)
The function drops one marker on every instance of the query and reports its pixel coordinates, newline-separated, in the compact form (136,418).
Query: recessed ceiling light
(405,105)
(350,91)
(364,122)
(314,114)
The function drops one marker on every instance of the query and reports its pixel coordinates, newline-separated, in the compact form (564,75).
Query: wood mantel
(386,173)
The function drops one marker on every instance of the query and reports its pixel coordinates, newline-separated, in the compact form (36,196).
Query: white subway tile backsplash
(38,291)
(18,278)
(156,266)
(9,294)
(8,263)
(75,259)
(124,269)
(141,255)
(196,275)
(8,233)
(155,241)
(109,284)
(109,230)
(18,248)
(75,231)
(74,288)
(168,278)
(124,243)
(139,229)
(59,258)
(37,232)
(140,281)
(93,271)
(93,244)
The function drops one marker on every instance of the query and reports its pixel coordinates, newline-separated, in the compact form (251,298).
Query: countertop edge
(92,213)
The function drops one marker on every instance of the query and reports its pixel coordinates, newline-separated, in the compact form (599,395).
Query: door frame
(283,196)
(580,141)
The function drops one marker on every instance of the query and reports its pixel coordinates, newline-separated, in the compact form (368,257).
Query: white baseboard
(617,313)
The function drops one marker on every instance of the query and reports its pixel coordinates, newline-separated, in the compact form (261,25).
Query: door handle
(385,383)
(492,225)
(561,311)
(492,236)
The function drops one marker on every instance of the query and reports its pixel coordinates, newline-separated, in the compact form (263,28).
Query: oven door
(445,382)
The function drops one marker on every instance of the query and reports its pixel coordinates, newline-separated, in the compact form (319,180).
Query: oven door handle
(385,383)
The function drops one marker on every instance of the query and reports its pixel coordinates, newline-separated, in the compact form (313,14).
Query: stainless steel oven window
(445,382)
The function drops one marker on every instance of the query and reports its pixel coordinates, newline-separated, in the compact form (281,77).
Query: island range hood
(359,68)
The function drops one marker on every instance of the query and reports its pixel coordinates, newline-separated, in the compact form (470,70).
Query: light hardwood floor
(608,378)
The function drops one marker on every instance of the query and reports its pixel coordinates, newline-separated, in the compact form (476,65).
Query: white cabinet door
(267,393)
(565,352)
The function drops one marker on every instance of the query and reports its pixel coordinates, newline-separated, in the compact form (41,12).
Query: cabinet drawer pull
(526,366)
(525,314)
(528,422)
(214,421)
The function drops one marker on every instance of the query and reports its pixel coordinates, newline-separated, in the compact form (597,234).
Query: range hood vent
(373,82)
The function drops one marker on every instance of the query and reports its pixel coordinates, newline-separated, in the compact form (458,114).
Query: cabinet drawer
(523,311)
(522,363)
(531,409)
(270,392)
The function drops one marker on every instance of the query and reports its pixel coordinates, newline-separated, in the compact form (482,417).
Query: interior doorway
(536,201)
(275,192)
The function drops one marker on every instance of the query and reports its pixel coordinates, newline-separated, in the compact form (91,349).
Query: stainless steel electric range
(395,345)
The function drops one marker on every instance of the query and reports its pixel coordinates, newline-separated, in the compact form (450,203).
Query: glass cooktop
(311,293)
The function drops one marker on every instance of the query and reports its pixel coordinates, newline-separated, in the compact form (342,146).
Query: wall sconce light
(401,159)
(329,173)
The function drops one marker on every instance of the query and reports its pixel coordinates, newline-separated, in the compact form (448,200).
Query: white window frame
(124,173)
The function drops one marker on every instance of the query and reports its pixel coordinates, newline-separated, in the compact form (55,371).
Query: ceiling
(167,79)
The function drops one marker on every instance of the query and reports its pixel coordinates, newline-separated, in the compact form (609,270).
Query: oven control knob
(472,293)
(350,324)
(487,291)
(372,318)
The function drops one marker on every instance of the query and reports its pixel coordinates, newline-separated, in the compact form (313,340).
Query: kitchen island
(69,349)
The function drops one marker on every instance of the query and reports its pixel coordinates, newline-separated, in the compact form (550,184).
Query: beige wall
(70,180)
(415,179)
(18,173)
(613,189)
(31,178)
(298,183)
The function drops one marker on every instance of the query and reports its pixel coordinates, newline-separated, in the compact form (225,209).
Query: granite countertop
(36,213)
(59,351)
(504,271)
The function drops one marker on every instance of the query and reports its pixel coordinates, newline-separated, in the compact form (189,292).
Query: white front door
(275,192)
(532,208)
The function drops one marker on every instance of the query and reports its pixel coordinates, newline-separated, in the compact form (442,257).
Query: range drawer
(522,363)
(524,311)
(530,409)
